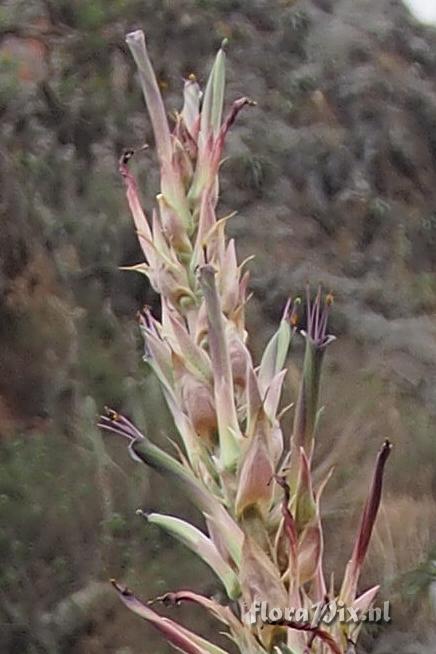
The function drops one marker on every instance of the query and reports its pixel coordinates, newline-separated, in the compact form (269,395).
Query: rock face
(333,172)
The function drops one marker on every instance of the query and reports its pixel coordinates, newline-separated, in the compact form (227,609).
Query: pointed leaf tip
(136,42)
(366,526)
(201,545)
(179,637)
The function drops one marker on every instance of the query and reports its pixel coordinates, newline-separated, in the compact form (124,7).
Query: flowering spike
(262,531)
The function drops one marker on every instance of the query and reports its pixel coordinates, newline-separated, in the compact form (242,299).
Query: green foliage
(251,172)
(416,583)
(9,86)
(63,521)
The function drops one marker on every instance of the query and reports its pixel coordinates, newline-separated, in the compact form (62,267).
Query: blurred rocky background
(333,175)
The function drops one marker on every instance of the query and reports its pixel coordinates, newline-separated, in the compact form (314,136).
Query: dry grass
(404,535)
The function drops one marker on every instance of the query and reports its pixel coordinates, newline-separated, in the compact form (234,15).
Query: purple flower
(317,318)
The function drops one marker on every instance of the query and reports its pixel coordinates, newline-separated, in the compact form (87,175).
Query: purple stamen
(317,318)
(120,425)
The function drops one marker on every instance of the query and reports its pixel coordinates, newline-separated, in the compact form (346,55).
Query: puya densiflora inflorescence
(262,533)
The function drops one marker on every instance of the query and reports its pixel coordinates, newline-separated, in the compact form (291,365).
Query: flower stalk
(262,532)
